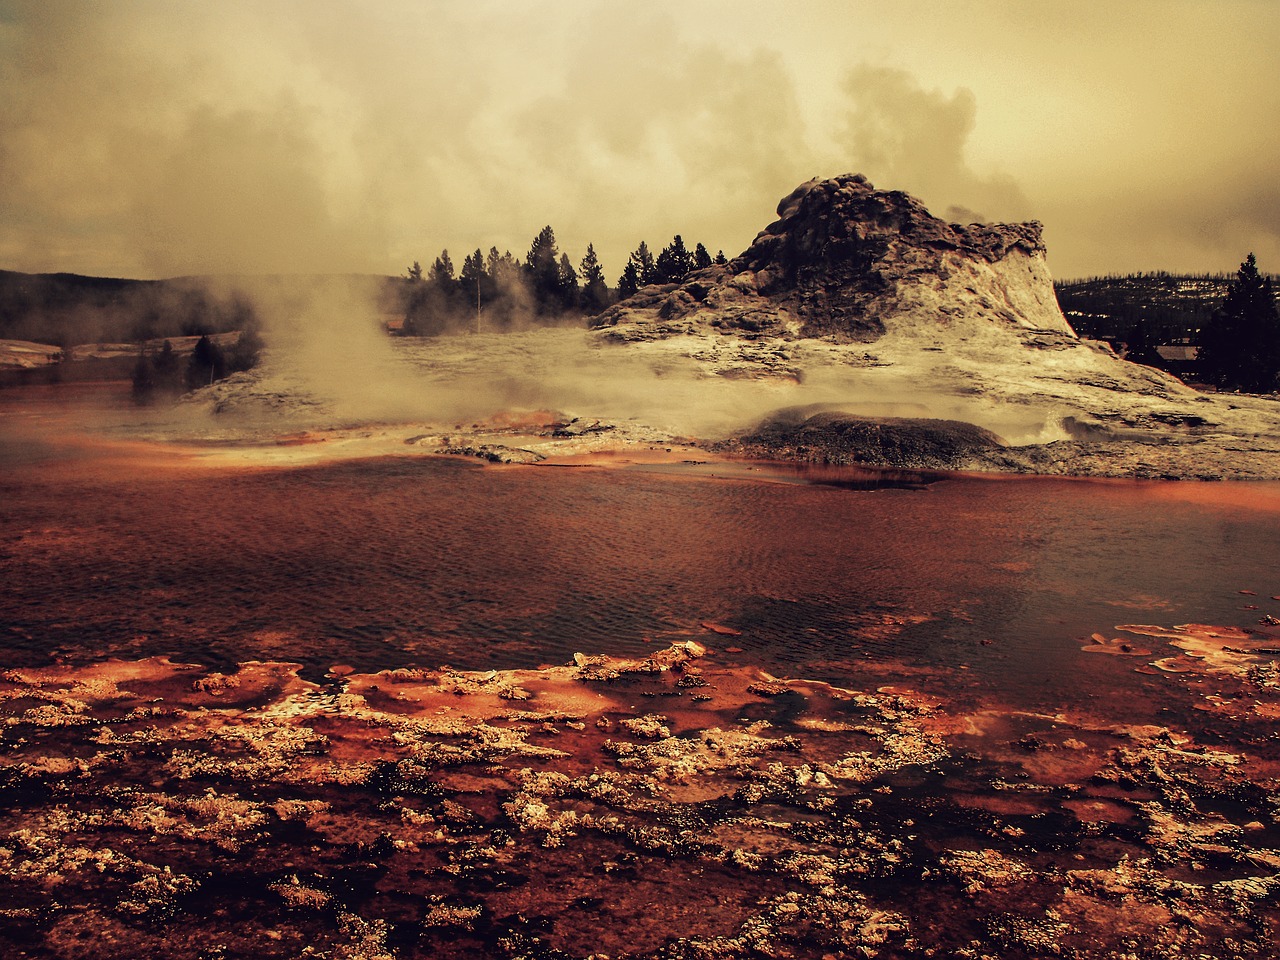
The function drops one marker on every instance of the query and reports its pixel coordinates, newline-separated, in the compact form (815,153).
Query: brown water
(994,790)
(377,563)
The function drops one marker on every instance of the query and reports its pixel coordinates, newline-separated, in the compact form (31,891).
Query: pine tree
(472,282)
(441,271)
(720,258)
(1141,346)
(166,371)
(542,266)
(673,263)
(595,290)
(568,278)
(629,282)
(1240,347)
(701,259)
(646,269)
(206,365)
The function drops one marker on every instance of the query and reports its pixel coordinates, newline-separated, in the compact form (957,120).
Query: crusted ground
(660,807)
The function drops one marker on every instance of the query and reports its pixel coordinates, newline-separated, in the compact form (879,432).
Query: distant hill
(67,308)
(59,308)
(1173,306)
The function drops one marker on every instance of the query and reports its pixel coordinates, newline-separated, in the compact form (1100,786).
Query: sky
(152,139)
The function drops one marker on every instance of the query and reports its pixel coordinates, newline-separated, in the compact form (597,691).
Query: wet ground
(655,807)
(691,710)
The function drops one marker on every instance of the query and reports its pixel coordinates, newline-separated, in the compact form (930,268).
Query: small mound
(833,436)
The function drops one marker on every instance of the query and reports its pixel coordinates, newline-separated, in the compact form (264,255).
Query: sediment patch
(665,806)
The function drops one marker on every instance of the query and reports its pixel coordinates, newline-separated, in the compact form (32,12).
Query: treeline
(672,264)
(1167,307)
(63,309)
(166,373)
(1224,329)
(497,292)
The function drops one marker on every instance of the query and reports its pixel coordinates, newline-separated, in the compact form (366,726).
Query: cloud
(668,136)
(905,137)
(133,146)
(146,138)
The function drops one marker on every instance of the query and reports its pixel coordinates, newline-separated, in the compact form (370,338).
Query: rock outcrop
(844,259)
(832,436)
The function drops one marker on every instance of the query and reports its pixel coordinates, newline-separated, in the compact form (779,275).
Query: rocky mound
(833,436)
(844,258)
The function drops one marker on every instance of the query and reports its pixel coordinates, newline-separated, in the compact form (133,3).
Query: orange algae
(664,806)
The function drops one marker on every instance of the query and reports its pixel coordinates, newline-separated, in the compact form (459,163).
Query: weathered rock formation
(844,259)
(832,436)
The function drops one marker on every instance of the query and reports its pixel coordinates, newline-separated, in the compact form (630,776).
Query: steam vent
(846,259)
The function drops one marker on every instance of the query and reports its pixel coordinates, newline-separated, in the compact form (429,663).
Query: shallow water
(386,562)
(982,786)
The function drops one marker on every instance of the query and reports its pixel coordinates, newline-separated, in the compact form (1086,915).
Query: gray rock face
(845,259)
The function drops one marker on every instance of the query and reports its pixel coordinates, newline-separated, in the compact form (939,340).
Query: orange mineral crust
(665,806)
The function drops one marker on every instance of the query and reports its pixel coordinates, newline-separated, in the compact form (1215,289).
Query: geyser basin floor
(988,780)
(661,807)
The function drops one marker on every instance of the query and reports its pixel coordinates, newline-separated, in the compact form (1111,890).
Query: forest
(498,292)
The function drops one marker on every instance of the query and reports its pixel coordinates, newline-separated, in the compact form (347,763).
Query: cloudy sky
(152,139)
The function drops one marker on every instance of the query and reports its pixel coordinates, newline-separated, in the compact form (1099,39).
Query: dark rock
(832,436)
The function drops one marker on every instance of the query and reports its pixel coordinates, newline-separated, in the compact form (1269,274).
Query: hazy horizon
(144,139)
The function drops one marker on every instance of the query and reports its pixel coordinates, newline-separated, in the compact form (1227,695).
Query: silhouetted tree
(510,290)
(441,273)
(1141,346)
(475,283)
(166,372)
(720,258)
(1240,347)
(629,282)
(701,259)
(595,291)
(142,378)
(432,302)
(569,289)
(542,266)
(414,297)
(646,269)
(206,365)
(246,351)
(473,272)
(673,263)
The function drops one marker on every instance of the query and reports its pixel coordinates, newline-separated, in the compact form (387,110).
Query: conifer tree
(1240,347)
(595,291)
(542,266)
(1140,346)
(673,263)
(646,269)
(475,283)
(720,258)
(629,282)
(206,364)
(441,273)
(568,278)
(701,259)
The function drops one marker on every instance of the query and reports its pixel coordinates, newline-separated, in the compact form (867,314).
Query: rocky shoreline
(905,341)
